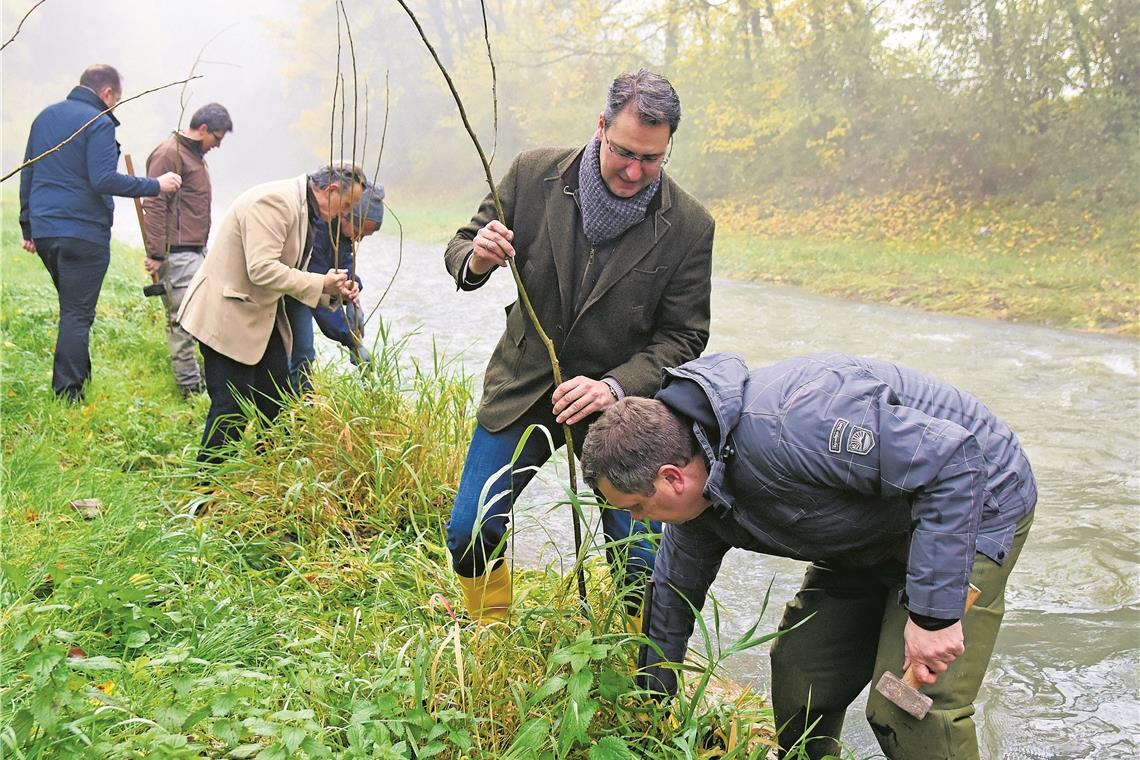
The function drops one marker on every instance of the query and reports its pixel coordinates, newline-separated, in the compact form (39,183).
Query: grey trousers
(856,635)
(178,270)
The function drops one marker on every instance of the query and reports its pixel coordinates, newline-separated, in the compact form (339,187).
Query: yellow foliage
(929,216)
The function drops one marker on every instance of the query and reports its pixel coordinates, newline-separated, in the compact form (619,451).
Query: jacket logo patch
(861,441)
(835,440)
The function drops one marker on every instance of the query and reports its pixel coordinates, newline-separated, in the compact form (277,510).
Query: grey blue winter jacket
(839,459)
(68,193)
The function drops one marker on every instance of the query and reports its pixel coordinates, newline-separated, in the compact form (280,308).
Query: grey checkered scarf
(605,216)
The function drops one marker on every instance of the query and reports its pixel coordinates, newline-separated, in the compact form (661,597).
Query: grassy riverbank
(298,603)
(1073,264)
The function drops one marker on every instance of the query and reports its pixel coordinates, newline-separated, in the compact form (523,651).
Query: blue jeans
(304,352)
(474,540)
(335,326)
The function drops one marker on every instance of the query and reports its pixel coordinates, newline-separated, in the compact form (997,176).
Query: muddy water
(1065,681)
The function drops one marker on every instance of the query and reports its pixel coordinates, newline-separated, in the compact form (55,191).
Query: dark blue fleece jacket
(68,193)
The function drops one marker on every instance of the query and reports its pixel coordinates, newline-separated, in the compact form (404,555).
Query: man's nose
(634,170)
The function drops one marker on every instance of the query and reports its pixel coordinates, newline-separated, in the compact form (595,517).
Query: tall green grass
(297,600)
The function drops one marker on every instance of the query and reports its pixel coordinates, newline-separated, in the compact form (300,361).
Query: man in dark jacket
(178,226)
(900,490)
(66,210)
(338,322)
(616,260)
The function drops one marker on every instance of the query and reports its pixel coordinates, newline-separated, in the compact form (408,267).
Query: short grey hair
(101,75)
(630,442)
(343,175)
(651,94)
(214,117)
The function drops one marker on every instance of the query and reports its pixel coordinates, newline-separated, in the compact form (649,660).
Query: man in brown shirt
(177,227)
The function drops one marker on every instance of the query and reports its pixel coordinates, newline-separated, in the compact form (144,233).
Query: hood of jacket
(710,391)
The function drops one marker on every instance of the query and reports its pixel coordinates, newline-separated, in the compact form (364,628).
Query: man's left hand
(931,652)
(337,283)
(578,398)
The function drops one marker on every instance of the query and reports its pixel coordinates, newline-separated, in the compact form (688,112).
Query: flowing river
(1065,677)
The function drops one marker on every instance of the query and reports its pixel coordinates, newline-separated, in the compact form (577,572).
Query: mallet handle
(972,595)
(138,207)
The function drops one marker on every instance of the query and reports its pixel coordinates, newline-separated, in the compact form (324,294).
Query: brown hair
(631,441)
(214,117)
(652,96)
(99,76)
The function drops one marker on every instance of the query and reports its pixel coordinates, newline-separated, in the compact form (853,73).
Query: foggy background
(273,65)
(152,44)
(787,104)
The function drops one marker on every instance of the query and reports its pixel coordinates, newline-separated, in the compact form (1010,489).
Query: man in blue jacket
(339,323)
(899,489)
(66,210)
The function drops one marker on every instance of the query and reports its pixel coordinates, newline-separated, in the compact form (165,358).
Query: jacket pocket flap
(228,292)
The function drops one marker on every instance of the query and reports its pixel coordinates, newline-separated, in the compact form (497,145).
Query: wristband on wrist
(615,388)
(931,623)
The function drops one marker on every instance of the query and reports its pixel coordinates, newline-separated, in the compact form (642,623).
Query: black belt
(186,248)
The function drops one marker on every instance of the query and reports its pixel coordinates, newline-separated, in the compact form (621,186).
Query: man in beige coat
(234,306)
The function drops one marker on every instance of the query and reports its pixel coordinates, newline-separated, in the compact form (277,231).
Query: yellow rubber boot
(635,605)
(633,624)
(488,596)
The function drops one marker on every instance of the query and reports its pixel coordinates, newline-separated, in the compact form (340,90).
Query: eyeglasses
(217,136)
(647,162)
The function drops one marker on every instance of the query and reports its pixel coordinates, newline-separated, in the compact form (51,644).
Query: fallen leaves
(89,509)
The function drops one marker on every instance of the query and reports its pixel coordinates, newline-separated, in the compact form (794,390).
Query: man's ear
(601,125)
(672,476)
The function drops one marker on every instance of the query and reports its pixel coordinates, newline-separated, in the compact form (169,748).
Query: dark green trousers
(856,635)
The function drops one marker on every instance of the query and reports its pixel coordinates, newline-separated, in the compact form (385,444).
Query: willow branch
(523,296)
(25,18)
(178,143)
(355,85)
(361,321)
(353,331)
(337,79)
(494,85)
(384,131)
(194,67)
(399,261)
(334,223)
(375,176)
(93,119)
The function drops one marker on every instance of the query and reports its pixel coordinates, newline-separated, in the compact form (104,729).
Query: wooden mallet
(904,691)
(158,286)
